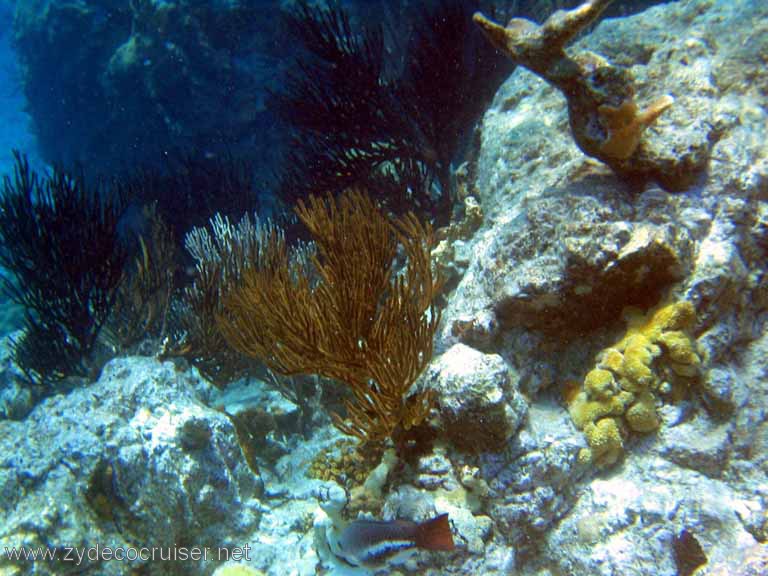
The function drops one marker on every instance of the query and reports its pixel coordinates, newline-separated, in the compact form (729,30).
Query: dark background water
(111,84)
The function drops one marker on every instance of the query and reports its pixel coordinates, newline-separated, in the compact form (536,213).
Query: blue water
(15,123)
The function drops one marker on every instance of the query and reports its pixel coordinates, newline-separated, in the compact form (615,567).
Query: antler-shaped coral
(541,48)
(605,121)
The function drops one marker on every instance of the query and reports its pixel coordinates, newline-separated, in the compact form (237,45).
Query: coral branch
(625,125)
(606,123)
(539,48)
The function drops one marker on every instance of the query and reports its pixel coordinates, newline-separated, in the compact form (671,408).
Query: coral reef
(140,457)
(656,354)
(605,120)
(570,275)
(750,562)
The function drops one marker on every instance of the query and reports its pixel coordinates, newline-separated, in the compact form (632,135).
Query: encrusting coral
(605,120)
(344,463)
(622,391)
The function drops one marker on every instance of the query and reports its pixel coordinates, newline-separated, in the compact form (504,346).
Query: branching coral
(605,120)
(360,322)
(221,252)
(656,353)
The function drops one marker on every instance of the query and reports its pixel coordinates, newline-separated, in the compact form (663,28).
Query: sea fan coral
(361,323)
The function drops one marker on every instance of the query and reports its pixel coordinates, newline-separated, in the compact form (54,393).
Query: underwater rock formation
(605,119)
(134,458)
(566,262)
(557,225)
(479,406)
(16,399)
(550,271)
(534,483)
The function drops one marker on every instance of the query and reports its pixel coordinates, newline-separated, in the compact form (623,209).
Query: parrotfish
(372,543)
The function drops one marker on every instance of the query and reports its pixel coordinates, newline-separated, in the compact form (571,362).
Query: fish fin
(435,534)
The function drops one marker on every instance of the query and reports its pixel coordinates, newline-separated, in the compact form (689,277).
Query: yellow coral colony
(622,391)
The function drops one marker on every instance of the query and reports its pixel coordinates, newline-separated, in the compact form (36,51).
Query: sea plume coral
(59,239)
(353,318)
(386,111)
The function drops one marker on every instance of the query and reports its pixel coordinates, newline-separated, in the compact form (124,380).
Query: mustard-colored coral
(611,359)
(638,358)
(625,125)
(682,354)
(344,464)
(585,410)
(600,384)
(641,416)
(677,316)
(605,443)
(623,391)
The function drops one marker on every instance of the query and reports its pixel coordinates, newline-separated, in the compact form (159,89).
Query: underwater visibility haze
(371,287)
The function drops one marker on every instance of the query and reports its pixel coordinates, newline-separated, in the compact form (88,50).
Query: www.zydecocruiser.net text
(79,555)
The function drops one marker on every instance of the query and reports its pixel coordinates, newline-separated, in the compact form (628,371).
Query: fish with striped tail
(373,543)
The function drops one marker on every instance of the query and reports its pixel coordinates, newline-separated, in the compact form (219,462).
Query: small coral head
(625,125)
